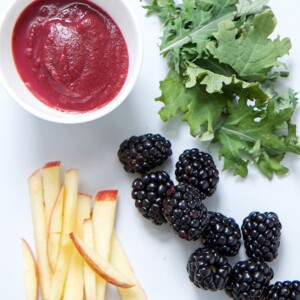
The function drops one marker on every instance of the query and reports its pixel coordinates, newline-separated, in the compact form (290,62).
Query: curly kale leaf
(250,7)
(249,51)
(191,23)
(252,134)
(165,9)
(199,108)
(222,59)
(218,83)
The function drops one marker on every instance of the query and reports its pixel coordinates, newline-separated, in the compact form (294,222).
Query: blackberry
(286,290)
(208,269)
(249,280)
(140,154)
(198,169)
(184,211)
(149,191)
(261,233)
(222,233)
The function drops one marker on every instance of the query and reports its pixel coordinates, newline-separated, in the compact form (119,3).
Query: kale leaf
(224,66)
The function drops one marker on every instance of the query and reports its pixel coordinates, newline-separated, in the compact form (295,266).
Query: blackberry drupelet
(149,191)
(261,233)
(222,233)
(140,154)
(208,269)
(249,280)
(286,290)
(198,169)
(184,211)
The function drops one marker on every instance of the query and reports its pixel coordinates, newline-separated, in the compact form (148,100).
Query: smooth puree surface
(70,54)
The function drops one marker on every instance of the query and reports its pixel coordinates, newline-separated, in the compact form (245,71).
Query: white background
(158,257)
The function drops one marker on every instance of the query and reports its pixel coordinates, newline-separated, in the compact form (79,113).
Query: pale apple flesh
(30,272)
(69,224)
(74,242)
(70,203)
(51,174)
(55,229)
(60,273)
(104,214)
(89,274)
(74,286)
(35,187)
(119,258)
(84,211)
(100,265)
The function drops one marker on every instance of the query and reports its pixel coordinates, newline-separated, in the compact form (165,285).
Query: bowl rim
(66,117)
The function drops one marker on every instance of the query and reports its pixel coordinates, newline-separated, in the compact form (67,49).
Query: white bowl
(120,11)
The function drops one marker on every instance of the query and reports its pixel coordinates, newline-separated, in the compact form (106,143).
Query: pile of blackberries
(181,206)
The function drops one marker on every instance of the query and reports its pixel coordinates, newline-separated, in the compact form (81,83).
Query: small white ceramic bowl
(120,11)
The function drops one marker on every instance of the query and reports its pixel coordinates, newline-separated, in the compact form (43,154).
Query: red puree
(70,54)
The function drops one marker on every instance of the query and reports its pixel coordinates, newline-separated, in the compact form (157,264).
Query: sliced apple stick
(100,265)
(83,212)
(104,214)
(30,272)
(119,258)
(60,273)
(40,231)
(69,223)
(74,287)
(51,174)
(55,229)
(89,274)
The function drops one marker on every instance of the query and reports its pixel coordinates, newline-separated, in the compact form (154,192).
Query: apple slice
(104,214)
(74,286)
(69,223)
(40,231)
(60,272)
(84,212)
(70,203)
(100,265)
(55,229)
(30,272)
(119,258)
(51,176)
(89,274)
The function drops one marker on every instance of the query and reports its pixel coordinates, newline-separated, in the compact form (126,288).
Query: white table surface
(158,257)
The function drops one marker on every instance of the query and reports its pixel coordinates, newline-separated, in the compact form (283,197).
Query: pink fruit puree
(70,54)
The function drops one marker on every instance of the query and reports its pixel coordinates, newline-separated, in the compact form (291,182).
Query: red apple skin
(52,164)
(107,195)
(96,268)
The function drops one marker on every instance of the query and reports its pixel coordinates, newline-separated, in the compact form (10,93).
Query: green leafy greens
(223,70)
